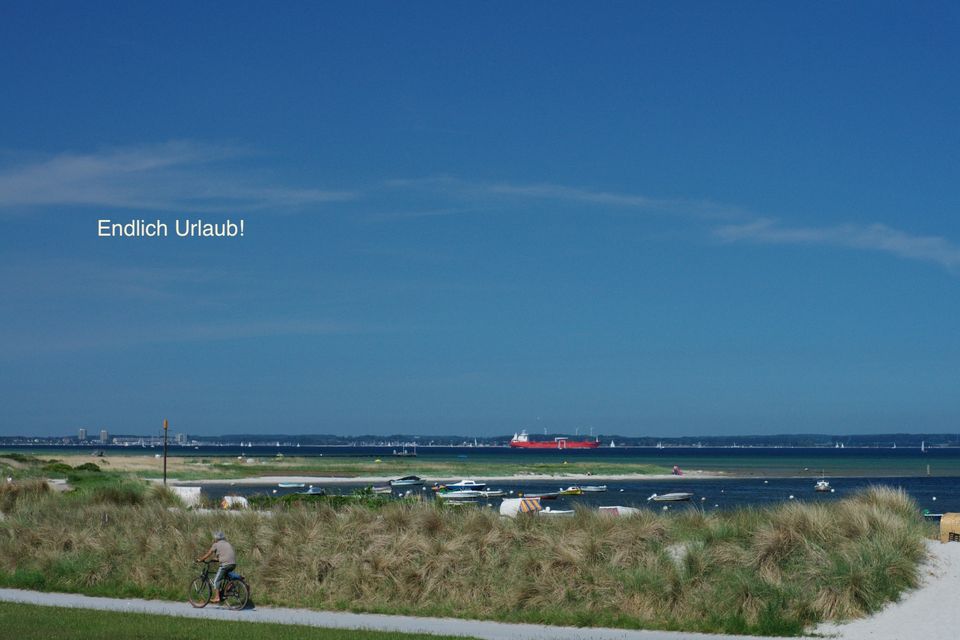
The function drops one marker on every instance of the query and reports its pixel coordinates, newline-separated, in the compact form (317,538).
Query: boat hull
(671,497)
(564,444)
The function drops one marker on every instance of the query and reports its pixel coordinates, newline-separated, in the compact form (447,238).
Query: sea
(760,475)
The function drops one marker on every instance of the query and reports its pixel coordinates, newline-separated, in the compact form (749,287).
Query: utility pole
(165,425)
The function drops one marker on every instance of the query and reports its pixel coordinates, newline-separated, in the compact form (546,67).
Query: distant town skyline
(641,218)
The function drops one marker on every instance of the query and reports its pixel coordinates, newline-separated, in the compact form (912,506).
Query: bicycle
(234,590)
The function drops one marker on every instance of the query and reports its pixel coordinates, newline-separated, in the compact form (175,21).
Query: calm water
(925,475)
(936,494)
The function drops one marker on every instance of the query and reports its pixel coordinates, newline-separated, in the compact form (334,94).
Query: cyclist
(227,558)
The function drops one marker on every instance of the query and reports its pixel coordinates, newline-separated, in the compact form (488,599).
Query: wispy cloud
(175,176)
(873,237)
(465,189)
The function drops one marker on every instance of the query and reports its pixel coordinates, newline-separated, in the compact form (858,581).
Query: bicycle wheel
(200,592)
(236,594)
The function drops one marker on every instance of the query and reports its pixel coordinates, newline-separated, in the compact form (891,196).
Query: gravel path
(931,612)
(338,620)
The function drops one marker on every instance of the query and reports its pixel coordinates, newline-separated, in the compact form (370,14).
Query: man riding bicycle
(227,558)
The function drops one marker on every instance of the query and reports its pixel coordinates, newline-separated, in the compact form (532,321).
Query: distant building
(181,438)
(104,436)
(82,435)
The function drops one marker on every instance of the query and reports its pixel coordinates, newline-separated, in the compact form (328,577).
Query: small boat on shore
(383,490)
(619,511)
(670,497)
(547,511)
(543,496)
(406,481)
(463,485)
(291,485)
(460,494)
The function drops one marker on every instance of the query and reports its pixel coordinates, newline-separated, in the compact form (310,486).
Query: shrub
(118,495)
(57,467)
(87,466)
(11,492)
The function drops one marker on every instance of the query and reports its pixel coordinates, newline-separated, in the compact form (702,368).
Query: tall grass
(769,571)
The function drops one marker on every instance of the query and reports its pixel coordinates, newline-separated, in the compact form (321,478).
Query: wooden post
(165,425)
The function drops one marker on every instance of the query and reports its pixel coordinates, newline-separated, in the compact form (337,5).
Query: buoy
(791,497)
(274,490)
(934,498)
(764,482)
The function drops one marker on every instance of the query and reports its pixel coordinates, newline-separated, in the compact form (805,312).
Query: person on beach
(677,471)
(227,558)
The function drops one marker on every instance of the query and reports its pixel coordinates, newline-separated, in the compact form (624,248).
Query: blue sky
(641,218)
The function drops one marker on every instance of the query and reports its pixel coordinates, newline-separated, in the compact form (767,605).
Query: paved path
(338,620)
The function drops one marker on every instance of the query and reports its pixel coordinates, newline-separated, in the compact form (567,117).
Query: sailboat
(923,447)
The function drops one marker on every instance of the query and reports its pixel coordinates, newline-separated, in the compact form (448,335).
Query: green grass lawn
(29,622)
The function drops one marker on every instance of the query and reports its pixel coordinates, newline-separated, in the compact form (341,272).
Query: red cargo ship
(522,441)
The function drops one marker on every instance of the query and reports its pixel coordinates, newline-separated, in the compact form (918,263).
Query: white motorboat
(670,497)
(619,511)
(460,495)
(291,485)
(822,486)
(463,485)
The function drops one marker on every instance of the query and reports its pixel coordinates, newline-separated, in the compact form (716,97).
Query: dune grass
(763,571)
(29,622)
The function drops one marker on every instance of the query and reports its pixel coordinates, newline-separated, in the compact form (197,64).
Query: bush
(86,466)
(57,467)
(118,495)
(20,457)
(11,492)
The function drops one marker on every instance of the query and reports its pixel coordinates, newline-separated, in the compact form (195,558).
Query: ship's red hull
(564,444)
